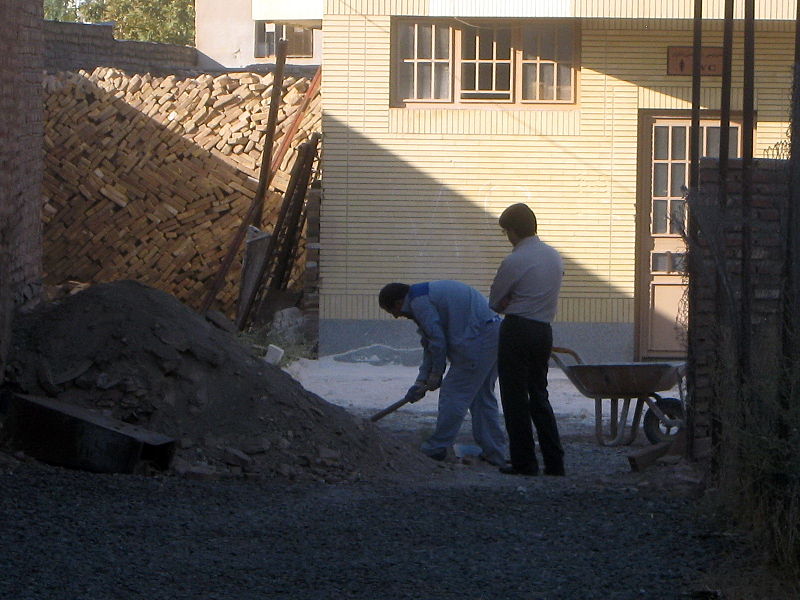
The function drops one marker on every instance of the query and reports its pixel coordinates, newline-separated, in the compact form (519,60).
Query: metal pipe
(725,105)
(748,126)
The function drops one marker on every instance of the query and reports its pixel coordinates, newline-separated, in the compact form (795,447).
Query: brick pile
(148,177)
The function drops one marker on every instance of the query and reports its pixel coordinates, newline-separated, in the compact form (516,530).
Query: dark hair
(520,219)
(391,293)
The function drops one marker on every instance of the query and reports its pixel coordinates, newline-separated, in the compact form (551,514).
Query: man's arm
(434,341)
(502,288)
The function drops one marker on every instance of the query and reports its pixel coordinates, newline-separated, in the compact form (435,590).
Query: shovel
(389,409)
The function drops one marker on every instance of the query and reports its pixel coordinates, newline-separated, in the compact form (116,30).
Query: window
(460,62)
(299,40)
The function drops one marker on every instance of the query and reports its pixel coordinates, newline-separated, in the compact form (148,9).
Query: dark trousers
(523,355)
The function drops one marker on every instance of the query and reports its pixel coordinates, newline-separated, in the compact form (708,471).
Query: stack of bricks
(709,317)
(20,160)
(148,178)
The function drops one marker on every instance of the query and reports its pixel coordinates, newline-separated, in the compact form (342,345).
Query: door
(662,317)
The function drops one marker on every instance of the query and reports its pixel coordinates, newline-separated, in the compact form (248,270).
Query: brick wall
(714,315)
(20,159)
(74,46)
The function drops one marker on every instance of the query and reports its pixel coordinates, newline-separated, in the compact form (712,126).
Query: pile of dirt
(142,357)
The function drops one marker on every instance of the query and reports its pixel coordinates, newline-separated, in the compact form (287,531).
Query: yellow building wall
(414,194)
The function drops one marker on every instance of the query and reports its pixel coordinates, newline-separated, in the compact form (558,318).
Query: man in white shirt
(525,289)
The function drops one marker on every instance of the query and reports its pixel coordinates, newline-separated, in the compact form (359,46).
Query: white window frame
(497,66)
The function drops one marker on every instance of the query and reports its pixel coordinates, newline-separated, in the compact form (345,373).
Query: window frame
(455,98)
(268,39)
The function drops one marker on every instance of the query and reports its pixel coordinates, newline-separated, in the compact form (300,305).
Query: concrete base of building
(397,340)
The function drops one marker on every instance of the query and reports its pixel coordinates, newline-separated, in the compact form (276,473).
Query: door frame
(646,119)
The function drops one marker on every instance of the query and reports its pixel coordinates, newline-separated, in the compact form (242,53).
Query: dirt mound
(142,357)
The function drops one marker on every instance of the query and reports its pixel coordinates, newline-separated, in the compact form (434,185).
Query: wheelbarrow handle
(556,350)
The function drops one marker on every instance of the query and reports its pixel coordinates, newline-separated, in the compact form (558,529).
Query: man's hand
(433,382)
(416,392)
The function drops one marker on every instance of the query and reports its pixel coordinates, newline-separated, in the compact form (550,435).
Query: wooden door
(663,215)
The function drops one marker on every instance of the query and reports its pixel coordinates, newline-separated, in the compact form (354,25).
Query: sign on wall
(679,60)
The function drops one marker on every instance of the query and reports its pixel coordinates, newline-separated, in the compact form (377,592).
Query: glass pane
(712,142)
(564,82)
(677,216)
(661,144)
(503,81)
(441,83)
(678,182)
(486,44)
(405,81)
(486,76)
(406,41)
(547,47)
(679,262)
(529,81)
(424,41)
(423,81)
(468,76)
(659,216)
(734,145)
(530,41)
(660,261)
(442,49)
(565,43)
(660,178)
(679,143)
(547,82)
(468,49)
(503,44)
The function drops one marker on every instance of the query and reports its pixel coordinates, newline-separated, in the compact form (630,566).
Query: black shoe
(438,455)
(555,472)
(511,470)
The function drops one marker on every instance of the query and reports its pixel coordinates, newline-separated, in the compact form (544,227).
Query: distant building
(242,33)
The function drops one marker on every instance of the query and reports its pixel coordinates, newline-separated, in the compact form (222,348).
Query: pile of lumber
(148,178)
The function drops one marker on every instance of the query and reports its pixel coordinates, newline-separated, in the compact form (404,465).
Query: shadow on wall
(385,219)
(131,196)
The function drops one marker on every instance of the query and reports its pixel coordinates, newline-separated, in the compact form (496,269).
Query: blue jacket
(449,315)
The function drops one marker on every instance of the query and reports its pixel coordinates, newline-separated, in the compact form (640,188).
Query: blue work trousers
(469,385)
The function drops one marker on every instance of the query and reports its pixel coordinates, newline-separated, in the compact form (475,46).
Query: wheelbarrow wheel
(654,429)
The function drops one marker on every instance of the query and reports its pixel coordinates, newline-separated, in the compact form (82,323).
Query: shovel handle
(389,409)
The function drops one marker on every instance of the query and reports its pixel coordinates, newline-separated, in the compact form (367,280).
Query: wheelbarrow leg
(637,417)
(617,423)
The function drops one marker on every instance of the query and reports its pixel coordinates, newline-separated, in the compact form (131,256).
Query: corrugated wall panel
(589,9)
(415,194)
(482,122)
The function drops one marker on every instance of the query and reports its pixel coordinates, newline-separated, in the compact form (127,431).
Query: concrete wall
(21,160)
(74,46)
(225,35)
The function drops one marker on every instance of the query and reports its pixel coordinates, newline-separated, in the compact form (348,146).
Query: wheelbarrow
(639,381)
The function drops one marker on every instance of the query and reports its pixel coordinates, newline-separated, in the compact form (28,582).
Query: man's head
(518,221)
(391,298)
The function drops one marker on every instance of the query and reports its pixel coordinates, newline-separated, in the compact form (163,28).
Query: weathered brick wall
(74,46)
(20,159)
(713,317)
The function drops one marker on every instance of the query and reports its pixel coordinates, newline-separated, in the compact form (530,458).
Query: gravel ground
(468,533)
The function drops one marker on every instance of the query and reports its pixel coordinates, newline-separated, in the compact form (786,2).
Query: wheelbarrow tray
(623,380)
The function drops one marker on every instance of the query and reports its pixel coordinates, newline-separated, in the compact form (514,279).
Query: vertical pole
(691,226)
(791,332)
(748,125)
(725,105)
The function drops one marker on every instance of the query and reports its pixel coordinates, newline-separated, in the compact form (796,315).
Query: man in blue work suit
(456,324)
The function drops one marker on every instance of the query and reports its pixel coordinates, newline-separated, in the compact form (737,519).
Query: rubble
(139,355)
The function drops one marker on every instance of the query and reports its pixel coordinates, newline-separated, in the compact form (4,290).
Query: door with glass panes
(662,315)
